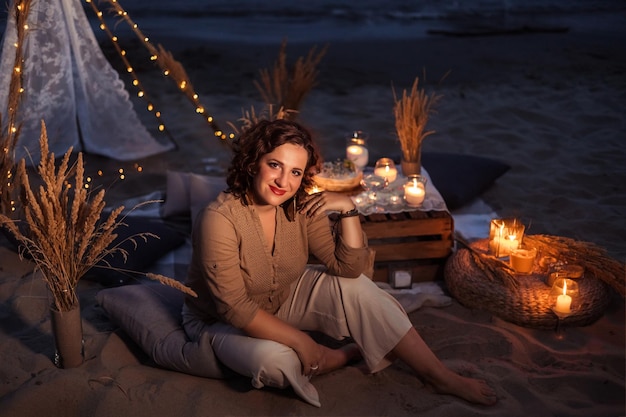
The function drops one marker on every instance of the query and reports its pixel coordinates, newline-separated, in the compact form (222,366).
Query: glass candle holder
(505,235)
(356,149)
(386,168)
(522,259)
(415,190)
(572,271)
(564,296)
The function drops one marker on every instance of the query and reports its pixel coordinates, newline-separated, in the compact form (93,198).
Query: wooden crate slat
(411,250)
(414,227)
(419,272)
(419,241)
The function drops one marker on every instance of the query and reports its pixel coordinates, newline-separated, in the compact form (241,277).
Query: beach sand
(548,104)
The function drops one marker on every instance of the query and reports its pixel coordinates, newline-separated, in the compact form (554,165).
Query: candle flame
(564,287)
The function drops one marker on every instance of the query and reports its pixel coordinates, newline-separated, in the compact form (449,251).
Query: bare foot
(473,390)
(337,358)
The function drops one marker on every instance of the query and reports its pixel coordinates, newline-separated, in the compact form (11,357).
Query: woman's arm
(320,203)
(345,255)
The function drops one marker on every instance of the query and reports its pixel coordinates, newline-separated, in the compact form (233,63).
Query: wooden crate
(416,241)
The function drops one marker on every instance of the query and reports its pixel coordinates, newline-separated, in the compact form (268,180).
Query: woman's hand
(311,356)
(320,203)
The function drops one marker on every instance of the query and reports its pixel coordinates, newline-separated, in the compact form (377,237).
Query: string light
(183,85)
(129,68)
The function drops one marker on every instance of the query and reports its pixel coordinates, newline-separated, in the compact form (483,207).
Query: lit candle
(358,154)
(503,245)
(315,189)
(386,169)
(356,149)
(522,260)
(414,193)
(563,301)
(505,235)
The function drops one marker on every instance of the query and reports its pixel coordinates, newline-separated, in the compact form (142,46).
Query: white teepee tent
(71,86)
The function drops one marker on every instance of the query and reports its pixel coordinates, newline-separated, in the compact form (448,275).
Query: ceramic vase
(67,331)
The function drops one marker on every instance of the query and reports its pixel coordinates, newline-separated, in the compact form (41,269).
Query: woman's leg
(347,308)
(413,350)
(265,362)
(357,308)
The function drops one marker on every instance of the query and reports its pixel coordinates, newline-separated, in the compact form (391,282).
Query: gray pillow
(150,314)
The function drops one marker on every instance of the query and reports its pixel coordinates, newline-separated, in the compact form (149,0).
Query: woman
(257,298)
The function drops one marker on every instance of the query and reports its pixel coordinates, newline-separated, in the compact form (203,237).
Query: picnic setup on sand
(94,275)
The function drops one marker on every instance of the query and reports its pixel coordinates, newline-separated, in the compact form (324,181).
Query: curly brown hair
(261,139)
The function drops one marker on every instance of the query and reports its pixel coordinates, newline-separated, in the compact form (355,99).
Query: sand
(549,104)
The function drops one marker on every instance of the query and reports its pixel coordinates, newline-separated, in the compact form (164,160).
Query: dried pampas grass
(64,231)
(412,111)
(593,258)
(285,90)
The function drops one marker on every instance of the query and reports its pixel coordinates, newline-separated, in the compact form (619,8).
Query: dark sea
(270,21)
(326,20)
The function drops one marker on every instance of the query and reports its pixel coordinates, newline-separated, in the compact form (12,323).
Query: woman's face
(280,174)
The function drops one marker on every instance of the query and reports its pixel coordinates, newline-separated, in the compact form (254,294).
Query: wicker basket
(529,304)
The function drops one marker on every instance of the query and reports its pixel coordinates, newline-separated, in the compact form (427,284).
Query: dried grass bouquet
(64,231)
(412,111)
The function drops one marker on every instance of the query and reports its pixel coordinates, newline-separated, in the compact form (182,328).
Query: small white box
(400,279)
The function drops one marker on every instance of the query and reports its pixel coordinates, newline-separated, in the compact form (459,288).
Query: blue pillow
(140,258)
(461,178)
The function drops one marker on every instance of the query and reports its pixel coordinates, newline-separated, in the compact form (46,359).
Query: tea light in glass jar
(415,190)
(394,199)
(522,260)
(386,168)
(565,291)
(505,235)
(356,150)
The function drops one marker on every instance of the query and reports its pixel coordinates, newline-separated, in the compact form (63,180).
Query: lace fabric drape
(71,86)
